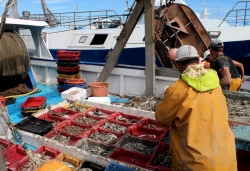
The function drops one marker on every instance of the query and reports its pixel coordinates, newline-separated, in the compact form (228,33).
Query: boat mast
(48,15)
(14,12)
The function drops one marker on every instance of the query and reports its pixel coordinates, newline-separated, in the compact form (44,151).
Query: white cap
(206,53)
(186,52)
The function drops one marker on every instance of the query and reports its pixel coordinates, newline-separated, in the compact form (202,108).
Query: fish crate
(35,125)
(104,131)
(81,130)
(71,139)
(5,144)
(14,156)
(108,149)
(99,113)
(62,112)
(130,157)
(82,85)
(60,87)
(61,80)
(60,90)
(166,138)
(69,76)
(79,117)
(47,154)
(10,101)
(68,72)
(68,69)
(140,146)
(74,93)
(33,103)
(152,124)
(146,133)
(31,111)
(116,123)
(78,105)
(243,160)
(73,161)
(51,118)
(48,151)
(68,55)
(162,149)
(127,118)
(117,167)
(68,63)
(92,166)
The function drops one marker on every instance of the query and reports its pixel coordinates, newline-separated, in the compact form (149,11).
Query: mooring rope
(7,7)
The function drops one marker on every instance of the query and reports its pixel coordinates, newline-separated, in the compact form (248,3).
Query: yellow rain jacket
(196,109)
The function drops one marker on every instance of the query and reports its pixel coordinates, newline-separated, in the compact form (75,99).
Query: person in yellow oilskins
(196,109)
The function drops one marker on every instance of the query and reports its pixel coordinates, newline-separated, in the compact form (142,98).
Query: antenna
(218,11)
(127,7)
(76,10)
(205,14)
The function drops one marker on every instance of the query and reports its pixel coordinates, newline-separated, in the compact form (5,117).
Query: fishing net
(14,63)
(14,59)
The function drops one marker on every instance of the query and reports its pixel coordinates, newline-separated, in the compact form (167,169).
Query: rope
(33,91)
(7,7)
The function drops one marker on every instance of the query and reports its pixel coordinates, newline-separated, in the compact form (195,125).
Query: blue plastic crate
(117,167)
(68,86)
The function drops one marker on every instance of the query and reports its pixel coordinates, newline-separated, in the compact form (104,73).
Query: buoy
(54,165)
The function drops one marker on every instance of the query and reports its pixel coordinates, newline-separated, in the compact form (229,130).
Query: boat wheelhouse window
(214,34)
(143,39)
(99,39)
(82,39)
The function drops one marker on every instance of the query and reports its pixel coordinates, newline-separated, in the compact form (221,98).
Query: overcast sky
(215,7)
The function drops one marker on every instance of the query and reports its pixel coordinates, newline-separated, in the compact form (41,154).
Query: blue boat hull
(238,51)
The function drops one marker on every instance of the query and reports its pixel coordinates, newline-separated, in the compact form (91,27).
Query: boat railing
(239,15)
(81,20)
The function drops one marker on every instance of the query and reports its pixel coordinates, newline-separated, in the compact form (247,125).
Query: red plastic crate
(14,156)
(108,112)
(68,55)
(61,80)
(61,112)
(114,122)
(130,157)
(73,139)
(5,144)
(118,135)
(161,149)
(51,152)
(68,52)
(51,118)
(243,160)
(152,124)
(68,69)
(67,58)
(127,116)
(60,126)
(80,115)
(33,103)
(146,133)
(60,90)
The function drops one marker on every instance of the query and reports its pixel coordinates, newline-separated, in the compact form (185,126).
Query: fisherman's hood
(200,79)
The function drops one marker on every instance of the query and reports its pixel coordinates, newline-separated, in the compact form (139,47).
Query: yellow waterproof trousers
(235,84)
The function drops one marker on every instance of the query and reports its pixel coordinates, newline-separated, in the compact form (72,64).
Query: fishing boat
(123,80)
(235,21)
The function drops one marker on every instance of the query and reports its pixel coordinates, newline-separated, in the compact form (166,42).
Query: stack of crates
(67,67)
